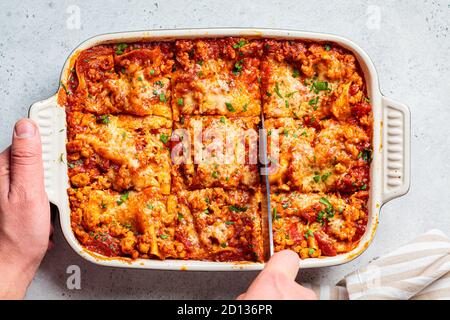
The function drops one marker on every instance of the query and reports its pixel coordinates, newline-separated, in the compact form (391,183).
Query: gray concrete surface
(409,42)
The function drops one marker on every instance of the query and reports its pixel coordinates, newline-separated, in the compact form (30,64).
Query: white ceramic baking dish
(390,168)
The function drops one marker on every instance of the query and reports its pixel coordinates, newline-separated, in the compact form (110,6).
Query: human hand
(277,280)
(24,211)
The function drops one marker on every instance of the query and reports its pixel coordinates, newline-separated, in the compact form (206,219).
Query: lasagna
(163,148)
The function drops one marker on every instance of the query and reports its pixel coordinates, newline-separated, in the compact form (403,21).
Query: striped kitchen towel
(417,271)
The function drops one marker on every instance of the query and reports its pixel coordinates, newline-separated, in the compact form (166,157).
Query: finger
(4,171)
(286,262)
(241,296)
(26,157)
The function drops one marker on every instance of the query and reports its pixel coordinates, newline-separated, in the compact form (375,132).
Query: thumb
(285,262)
(26,168)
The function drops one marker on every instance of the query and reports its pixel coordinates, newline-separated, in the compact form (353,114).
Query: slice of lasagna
(131,79)
(318,224)
(216,77)
(120,152)
(228,222)
(310,81)
(143,224)
(334,158)
(215,152)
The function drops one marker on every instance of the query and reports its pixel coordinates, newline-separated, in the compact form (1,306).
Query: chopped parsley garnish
(316,178)
(162,97)
(206,211)
(159,83)
(215,174)
(295,73)
(237,67)
(318,86)
(200,62)
(275,214)
(140,78)
(152,72)
(122,198)
(180,217)
(224,245)
(235,208)
(285,205)
(308,234)
(240,44)
(180,101)
(65,89)
(245,107)
(164,236)
(277,90)
(364,187)
(222,119)
(229,222)
(150,206)
(366,155)
(327,47)
(325,202)
(325,176)
(311,251)
(164,138)
(104,118)
(120,48)
(314,102)
(230,107)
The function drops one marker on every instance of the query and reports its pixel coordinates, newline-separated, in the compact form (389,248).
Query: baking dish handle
(397,149)
(50,118)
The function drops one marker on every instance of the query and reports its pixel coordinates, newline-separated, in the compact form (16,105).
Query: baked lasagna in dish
(163,148)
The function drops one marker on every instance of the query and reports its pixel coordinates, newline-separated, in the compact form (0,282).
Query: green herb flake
(180,101)
(164,236)
(308,234)
(311,251)
(224,245)
(162,97)
(120,48)
(122,198)
(215,174)
(235,208)
(65,89)
(238,67)
(295,73)
(230,107)
(277,90)
(164,138)
(316,178)
(327,47)
(105,118)
(222,119)
(325,202)
(325,176)
(152,72)
(229,223)
(240,44)
(275,214)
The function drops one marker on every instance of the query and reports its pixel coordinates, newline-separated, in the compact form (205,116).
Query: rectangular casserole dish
(390,167)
